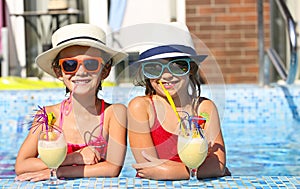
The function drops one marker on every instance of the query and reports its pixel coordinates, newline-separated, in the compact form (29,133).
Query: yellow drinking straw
(170,100)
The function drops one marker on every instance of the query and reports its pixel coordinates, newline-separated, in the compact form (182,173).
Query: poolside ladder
(287,73)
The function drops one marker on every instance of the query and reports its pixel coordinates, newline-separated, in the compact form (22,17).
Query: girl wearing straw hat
(170,74)
(95,130)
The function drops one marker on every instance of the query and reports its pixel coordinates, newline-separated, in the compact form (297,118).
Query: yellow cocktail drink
(53,157)
(53,150)
(192,151)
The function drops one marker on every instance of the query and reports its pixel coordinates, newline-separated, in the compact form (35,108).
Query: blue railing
(287,73)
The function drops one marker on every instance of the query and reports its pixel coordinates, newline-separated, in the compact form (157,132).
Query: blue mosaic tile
(258,114)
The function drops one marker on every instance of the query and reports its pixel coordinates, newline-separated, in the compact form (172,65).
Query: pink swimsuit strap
(65,110)
(66,106)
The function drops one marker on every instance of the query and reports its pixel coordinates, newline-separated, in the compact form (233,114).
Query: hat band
(80,37)
(167,49)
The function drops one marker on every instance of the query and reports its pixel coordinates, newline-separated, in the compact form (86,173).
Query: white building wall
(17,41)
(143,11)
(98,15)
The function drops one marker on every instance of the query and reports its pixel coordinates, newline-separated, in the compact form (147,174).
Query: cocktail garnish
(198,121)
(205,115)
(46,121)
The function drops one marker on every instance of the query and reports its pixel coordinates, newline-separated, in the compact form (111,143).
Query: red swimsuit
(164,141)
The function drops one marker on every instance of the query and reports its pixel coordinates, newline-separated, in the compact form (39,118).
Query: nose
(80,70)
(166,73)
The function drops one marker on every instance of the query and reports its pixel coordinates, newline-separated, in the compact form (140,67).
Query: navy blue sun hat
(170,51)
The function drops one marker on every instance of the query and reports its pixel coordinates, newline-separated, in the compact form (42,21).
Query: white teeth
(171,83)
(81,81)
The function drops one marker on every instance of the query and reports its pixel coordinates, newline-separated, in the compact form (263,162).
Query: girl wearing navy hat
(152,121)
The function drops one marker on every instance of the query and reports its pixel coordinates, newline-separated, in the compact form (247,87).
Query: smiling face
(86,78)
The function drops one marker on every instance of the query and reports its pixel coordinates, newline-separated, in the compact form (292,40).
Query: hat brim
(45,59)
(197,58)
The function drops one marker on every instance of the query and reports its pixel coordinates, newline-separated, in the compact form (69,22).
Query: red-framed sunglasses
(71,65)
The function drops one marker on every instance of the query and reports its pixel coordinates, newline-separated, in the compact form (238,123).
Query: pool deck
(124,182)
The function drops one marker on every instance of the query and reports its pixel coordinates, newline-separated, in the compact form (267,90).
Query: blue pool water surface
(260,125)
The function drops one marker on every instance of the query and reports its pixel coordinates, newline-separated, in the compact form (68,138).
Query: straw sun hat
(77,34)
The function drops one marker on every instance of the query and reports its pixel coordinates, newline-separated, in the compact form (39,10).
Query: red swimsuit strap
(156,122)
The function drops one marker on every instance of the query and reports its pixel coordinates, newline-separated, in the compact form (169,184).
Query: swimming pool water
(259,125)
(266,149)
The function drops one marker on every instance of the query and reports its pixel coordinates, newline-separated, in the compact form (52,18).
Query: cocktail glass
(192,147)
(52,148)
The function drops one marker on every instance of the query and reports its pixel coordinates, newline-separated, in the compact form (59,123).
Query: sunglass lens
(179,67)
(91,64)
(70,65)
(152,70)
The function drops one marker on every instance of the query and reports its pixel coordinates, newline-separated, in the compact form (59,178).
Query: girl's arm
(27,160)
(139,129)
(28,166)
(215,163)
(115,117)
(148,165)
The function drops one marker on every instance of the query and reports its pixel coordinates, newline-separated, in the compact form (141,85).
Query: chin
(83,92)
(172,92)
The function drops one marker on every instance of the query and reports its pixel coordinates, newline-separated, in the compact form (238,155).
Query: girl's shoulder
(139,101)
(118,106)
(55,108)
(115,112)
(116,109)
(205,103)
